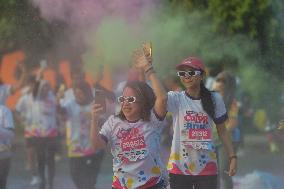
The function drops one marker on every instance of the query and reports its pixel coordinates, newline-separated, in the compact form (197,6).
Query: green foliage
(240,16)
(21,27)
(265,89)
(7,24)
(190,4)
(261,21)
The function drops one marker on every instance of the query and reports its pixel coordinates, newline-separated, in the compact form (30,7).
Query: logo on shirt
(132,144)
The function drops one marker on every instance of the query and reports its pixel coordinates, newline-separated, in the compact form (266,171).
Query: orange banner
(8,75)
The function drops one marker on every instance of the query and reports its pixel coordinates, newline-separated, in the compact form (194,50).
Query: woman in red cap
(192,162)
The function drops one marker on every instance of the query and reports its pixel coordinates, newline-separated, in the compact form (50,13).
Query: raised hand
(147,49)
(139,60)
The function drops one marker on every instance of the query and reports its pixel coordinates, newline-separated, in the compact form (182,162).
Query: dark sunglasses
(129,99)
(188,73)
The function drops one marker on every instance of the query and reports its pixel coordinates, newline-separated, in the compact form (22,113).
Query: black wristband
(149,69)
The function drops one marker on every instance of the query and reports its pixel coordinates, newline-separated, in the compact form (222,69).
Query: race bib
(196,132)
(199,134)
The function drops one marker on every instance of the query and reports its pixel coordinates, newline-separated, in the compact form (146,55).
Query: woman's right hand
(96,110)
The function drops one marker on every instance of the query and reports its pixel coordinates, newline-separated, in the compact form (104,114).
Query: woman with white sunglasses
(196,110)
(134,134)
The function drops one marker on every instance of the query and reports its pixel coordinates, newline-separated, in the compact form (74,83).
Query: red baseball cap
(192,62)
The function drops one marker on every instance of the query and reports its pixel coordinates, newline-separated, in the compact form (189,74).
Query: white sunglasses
(129,99)
(188,73)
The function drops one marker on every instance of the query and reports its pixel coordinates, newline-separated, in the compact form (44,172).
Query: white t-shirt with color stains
(78,127)
(193,149)
(43,117)
(136,151)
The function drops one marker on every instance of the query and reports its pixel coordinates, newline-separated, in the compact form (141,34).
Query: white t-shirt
(78,126)
(5,91)
(193,150)
(135,148)
(6,133)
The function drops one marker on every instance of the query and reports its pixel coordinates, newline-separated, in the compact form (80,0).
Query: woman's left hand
(232,167)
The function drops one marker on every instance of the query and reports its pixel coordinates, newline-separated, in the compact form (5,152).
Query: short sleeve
(172,103)
(156,120)
(106,129)
(220,110)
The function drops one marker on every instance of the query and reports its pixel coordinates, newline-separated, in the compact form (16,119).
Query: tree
(21,27)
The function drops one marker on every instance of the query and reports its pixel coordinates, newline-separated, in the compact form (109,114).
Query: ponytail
(206,100)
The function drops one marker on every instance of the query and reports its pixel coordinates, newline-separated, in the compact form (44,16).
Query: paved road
(255,157)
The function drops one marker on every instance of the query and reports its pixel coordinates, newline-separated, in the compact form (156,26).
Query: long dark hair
(207,101)
(145,96)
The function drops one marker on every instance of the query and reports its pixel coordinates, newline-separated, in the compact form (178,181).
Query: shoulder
(112,119)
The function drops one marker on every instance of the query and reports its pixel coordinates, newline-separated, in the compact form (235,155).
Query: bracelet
(149,69)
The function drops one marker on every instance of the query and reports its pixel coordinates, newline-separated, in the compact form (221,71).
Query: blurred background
(98,36)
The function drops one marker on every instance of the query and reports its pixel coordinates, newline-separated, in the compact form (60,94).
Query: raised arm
(140,61)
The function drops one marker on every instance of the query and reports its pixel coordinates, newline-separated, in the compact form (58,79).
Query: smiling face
(191,82)
(131,111)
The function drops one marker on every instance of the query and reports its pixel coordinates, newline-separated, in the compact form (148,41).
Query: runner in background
(6,140)
(44,129)
(85,162)
(24,114)
(225,84)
